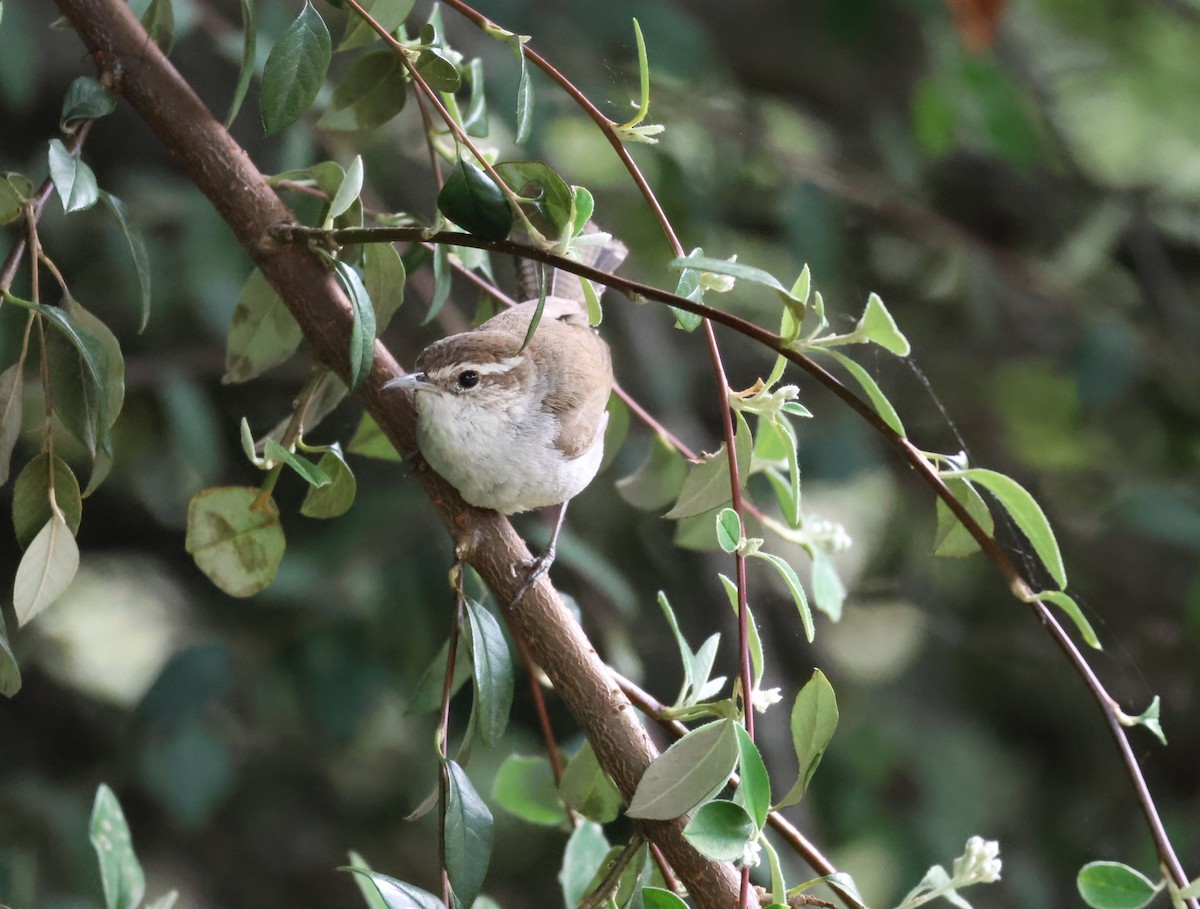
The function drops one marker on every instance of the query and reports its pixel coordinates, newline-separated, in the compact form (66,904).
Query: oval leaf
(86,99)
(657,898)
(237,546)
(31,497)
(814,719)
(720,830)
(74,181)
(729,529)
(46,570)
(372,93)
(687,773)
(262,332)
(586,849)
(472,200)
(524,786)
(295,70)
(335,499)
(588,789)
(1111,885)
(657,482)
(468,835)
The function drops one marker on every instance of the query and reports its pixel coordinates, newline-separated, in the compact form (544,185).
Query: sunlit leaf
(878,399)
(45,570)
(294,70)
(1067,604)
(1112,885)
(311,474)
(814,720)
(729,530)
(239,547)
(370,442)
(691,770)
(754,790)
(120,872)
(795,588)
(829,593)
(743,272)
(347,191)
(657,898)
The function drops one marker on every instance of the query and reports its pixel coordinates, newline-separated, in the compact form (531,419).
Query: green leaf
(10,672)
(878,326)
(707,483)
(309,472)
(427,693)
(586,849)
(372,92)
(475,120)
(73,180)
(952,539)
(362,878)
(524,91)
(237,546)
(493,672)
(744,273)
(689,288)
(729,530)
(15,191)
(294,70)
(384,278)
(550,194)
(657,898)
(524,787)
(1149,718)
(249,60)
(137,248)
(878,399)
(754,790)
(166,901)
(438,70)
(795,588)
(468,835)
(441,282)
(720,829)
(370,442)
(753,639)
(31,497)
(397,894)
(159,21)
(334,499)
(347,192)
(692,770)
(45,570)
(12,382)
(1026,513)
(588,789)
(86,99)
(388,13)
(1067,604)
(120,872)
(814,720)
(829,593)
(659,479)
(1112,885)
(472,200)
(262,332)
(362,332)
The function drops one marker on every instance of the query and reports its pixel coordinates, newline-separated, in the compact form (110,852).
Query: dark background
(1030,211)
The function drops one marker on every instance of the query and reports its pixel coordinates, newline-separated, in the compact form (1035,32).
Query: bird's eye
(468,378)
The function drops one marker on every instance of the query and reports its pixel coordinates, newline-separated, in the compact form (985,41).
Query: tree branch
(223,171)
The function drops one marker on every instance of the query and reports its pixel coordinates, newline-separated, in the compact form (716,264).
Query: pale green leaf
(334,499)
(311,474)
(754,790)
(363,329)
(829,593)
(952,538)
(1067,604)
(45,570)
(159,21)
(1026,513)
(86,99)
(372,92)
(814,720)
(795,588)
(659,479)
(347,191)
(384,277)
(73,179)
(691,770)
(120,872)
(388,13)
(720,830)
(370,442)
(878,326)
(262,332)
(878,399)
(586,849)
(524,787)
(1112,885)
(397,894)
(729,530)
(249,59)
(588,789)
(237,545)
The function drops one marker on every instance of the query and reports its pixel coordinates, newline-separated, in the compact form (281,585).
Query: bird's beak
(412,381)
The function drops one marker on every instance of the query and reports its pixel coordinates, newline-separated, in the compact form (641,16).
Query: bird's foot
(537,568)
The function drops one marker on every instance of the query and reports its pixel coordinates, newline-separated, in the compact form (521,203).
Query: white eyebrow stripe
(484,369)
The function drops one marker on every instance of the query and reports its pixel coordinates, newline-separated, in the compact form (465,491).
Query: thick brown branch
(221,169)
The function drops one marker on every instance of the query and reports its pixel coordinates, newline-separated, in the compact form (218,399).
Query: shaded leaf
(384,277)
(878,399)
(31,497)
(86,99)
(493,672)
(370,442)
(362,332)
(262,332)
(659,479)
(73,179)
(952,538)
(294,70)
(720,830)
(468,835)
(239,547)
(15,191)
(588,789)
(347,192)
(707,483)
(475,119)
(549,193)
(388,13)
(829,593)
(472,200)
(311,473)
(754,790)
(249,59)
(137,248)
(335,499)
(397,894)
(687,773)
(586,849)
(159,21)
(438,70)
(657,898)
(120,872)
(10,673)
(427,693)
(11,413)
(524,787)
(795,588)
(45,570)
(372,92)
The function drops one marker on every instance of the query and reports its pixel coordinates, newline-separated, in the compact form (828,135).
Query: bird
(515,426)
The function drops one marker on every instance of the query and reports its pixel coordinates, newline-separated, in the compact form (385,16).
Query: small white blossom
(980,864)
(765,698)
(751,854)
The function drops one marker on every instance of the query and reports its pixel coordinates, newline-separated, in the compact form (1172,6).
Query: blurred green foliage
(1032,215)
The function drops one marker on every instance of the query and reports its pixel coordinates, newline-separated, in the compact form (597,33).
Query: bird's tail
(594,250)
